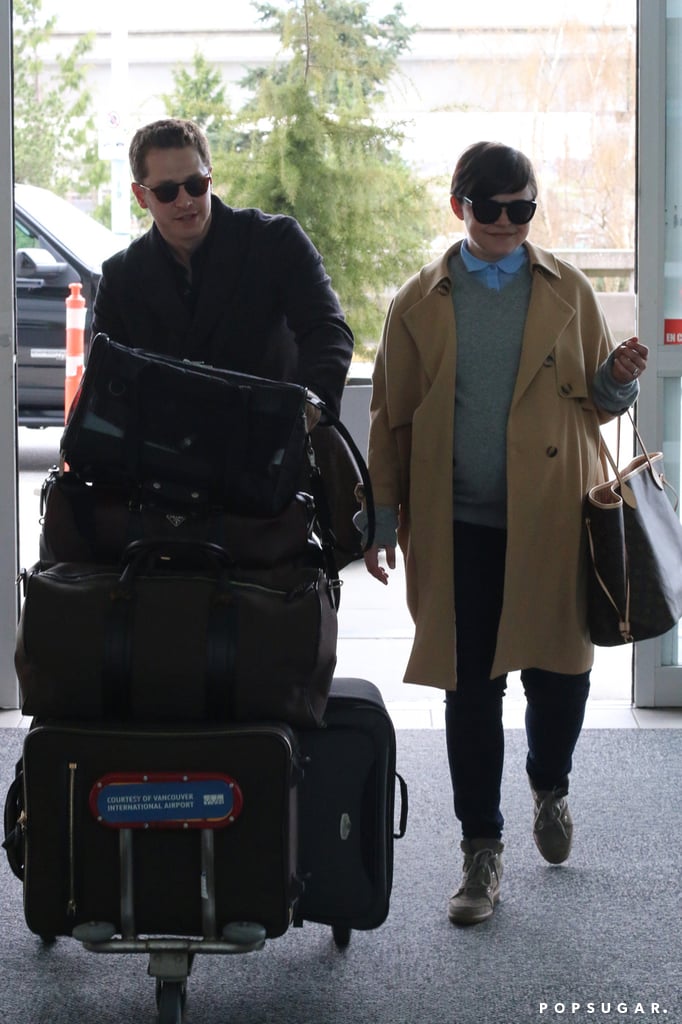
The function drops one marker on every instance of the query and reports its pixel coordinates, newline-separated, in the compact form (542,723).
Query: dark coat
(265,306)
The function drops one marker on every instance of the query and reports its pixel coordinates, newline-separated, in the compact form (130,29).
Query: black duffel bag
(186,432)
(180,634)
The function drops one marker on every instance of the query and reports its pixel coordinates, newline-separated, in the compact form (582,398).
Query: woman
(495,370)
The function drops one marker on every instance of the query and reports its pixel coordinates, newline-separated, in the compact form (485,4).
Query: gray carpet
(602,931)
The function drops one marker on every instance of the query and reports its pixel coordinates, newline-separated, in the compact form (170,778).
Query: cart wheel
(170,1000)
(341,935)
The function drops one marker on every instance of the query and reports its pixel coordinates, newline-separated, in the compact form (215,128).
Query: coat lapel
(161,294)
(548,317)
(431,321)
(169,313)
(221,277)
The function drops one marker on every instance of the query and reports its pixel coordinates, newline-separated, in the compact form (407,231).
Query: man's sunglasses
(487,211)
(196,185)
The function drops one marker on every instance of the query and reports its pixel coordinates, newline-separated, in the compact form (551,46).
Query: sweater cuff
(385,529)
(608,393)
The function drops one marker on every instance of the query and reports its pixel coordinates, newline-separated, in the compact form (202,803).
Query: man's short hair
(168,133)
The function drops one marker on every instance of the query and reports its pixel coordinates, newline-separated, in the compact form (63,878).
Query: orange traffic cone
(75,344)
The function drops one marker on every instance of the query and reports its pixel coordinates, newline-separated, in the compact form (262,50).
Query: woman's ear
(456,207)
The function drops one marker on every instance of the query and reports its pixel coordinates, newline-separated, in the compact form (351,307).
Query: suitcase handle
(143,555)
(402,826)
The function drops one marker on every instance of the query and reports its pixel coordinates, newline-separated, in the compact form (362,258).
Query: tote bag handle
(625,491)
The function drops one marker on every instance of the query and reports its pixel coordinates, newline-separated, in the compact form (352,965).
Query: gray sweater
(490,327)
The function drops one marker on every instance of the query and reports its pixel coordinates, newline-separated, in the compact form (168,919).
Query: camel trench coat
(552,460)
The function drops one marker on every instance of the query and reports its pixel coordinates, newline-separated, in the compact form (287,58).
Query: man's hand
(312,416)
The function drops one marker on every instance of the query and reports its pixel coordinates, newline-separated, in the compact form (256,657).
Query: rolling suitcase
(159,831)
(347,806)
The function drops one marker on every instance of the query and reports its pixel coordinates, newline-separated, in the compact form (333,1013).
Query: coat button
(566,389)
(444,288)
(552,451)
(549,361)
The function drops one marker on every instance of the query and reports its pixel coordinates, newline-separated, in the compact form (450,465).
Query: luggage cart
(170,958)
(124,851)
(101,824)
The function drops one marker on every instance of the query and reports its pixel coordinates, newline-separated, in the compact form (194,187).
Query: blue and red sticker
(166,800)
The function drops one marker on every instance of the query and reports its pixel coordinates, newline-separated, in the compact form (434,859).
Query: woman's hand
(629,362)
(372,563)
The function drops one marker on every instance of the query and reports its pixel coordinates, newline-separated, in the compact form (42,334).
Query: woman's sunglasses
(487,211)
(196,185)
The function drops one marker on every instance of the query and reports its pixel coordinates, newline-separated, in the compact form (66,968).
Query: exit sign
(672,333)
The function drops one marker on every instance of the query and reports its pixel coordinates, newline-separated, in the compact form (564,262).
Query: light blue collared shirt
(494,275)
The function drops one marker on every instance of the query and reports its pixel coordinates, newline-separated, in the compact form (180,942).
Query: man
(234,288)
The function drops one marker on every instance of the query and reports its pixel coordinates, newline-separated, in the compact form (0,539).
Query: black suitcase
(347,807)
(160,831)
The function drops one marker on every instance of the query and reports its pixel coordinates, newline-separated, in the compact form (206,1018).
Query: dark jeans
(473,713)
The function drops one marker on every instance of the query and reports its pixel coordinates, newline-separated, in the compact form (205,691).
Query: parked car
(56,244)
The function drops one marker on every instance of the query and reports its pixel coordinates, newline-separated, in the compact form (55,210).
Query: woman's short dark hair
(169,133)
(490,168)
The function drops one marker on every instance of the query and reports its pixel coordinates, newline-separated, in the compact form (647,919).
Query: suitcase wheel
(244,933)
(94,931)
(170,1000)
(341,935)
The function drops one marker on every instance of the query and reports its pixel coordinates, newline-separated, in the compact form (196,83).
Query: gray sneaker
(475,900)
(553,825)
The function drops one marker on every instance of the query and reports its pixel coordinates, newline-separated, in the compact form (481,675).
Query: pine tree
(55,141)
(311,142)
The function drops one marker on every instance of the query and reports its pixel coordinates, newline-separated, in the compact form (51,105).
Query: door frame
(655,684)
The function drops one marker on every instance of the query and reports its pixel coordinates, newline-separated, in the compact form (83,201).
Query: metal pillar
(9,696)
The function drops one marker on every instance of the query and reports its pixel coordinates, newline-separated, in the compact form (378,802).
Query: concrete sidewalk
(375,636)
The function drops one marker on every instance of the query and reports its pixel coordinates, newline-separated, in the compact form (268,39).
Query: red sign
(672,334)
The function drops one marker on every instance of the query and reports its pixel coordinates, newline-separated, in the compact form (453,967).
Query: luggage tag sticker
(165,800)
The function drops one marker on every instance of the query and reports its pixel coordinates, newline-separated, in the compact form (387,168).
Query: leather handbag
(634,539)
(83,522)
(179,635)
(339,481)
(186,432)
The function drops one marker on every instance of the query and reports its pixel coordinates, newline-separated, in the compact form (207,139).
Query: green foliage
(199,95)
(310,143)
(54,131)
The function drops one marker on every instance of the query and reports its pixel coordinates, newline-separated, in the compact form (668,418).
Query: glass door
(658,663)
